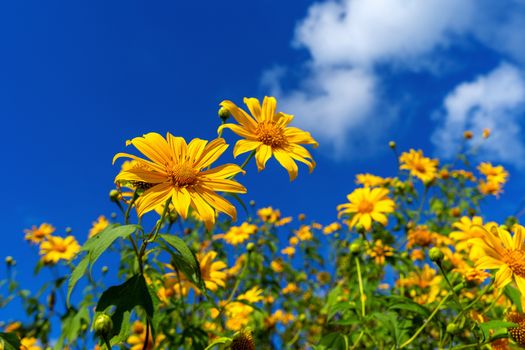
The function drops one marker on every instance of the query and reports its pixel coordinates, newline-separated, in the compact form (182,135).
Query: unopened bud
(453,328)
(392,144)
(250,247)
(355,247)
(252,203)
(113,195)
(103,325)
(360,228)
(69,230)
(468,135)
(436,255)
(224,114)
(105,269)
(10,261)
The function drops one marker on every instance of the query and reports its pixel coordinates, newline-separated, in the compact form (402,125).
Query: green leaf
(333,341)
(396,302)
(223,340)
(10,341)
(494,325)
(76,275)
(186,260)
(98,244)
(515,296)
(125,297)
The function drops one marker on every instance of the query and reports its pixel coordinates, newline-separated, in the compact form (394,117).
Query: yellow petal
(239,115)
(243,146)
(263,153)
(181,200)
(153,197)
(268,108)
(255,108)
(287,162)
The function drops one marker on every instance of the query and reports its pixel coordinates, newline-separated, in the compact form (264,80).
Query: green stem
(426,322)
(133,199)
(108,344)
(456,297)
(361,289)
(358,340)
(248,159)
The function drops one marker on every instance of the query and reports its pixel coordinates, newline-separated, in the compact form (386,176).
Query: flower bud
(392,144)
(103,325)
(468,135)
(355,247)
(105,269)
(436,255)
(453,328)
(360,228)
(250,247)
(252,203)
(113,195)
(10,261)
(224,114)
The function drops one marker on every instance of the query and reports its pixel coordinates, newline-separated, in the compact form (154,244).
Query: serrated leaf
(10,341)
(125,297)
(186,261)
(219,341)
(98,244)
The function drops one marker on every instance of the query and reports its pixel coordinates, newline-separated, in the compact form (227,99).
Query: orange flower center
(270,134)
(182,175)
(515,260)
(60,247)
(365,207)
(420,167)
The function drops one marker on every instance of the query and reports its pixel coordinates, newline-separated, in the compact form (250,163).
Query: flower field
(408,262)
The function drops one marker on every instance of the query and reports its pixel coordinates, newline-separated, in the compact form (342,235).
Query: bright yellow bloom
(419,166)
(98,226)
(290,288)
(421,236)
(279,316)
(503,252)
(417,254)
(333,227)
(379,252)
(253,295)
(138,337)
(367,205)
(304,233)
(468,229)
(267,133)
(176,170)
(486,133)
(369,180)
(490,187)
(212,271)
(38,234)
(29,344)
(277,266)
(293,241)
(239,234)
(428,283)
(56,248)
(237,315)
(290,251)
(236,268)
(12,327)
(496,174)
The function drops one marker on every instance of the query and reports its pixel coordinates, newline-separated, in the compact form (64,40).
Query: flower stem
(361,290)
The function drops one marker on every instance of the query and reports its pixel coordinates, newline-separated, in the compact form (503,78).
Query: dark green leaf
(493,325)
(77,273)
(223,340)
(185,260)
(10,341)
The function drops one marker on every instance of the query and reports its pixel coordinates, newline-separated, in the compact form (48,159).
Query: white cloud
(495,101)
(349,39)
(364,32)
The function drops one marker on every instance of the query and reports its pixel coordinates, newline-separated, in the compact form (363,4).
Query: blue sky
(80,78)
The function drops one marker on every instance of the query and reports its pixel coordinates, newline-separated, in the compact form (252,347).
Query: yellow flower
(239,234)
(486,133)
(236,268)
(367,205)
(212,271)
(293,241)
(237,315)
(468,134)
(279,316)
(490,187)
(333,227)
(29,344)
(503,252)
(267,133)
(290,288)
(290,251)
(460,173)
(98,226)
(12,327)
(138,338)
(369,180)
(496,174)
(175,170)
(419,166)
(38,234)
(427,281)
(277,266)
(253,295)
(304,233)
(421,236)
(417,254)
(379,252)
(468,229)
(56,248)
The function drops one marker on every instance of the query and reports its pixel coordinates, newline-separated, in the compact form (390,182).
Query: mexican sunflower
(367,205)
(267,133)
(503,252)
(419,166)
(177,170)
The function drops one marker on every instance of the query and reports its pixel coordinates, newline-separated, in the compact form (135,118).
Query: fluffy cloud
(496,101)
(349,39)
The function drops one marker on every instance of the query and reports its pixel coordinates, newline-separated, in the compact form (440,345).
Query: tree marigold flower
(267,132)
(38,234)
(239,234)
(419,166)
(98,226)
(56,248)
(253,295)
(243,341)
(379,252)
(176,170)
(367,205)
(503,252)
(29,344)
(517,333)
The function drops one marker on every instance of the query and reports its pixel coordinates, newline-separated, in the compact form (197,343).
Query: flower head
(419,166)
(267,133)
(176,170)
(212,271)
(38,234)
(369,180)
(379,252)
(367,205)
(56,248)
(100,224)
(239,234)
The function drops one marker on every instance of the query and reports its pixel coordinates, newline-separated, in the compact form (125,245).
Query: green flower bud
(252,203)
(113,195)
(105,269)
(224,114)
(392,144)
(436,255)
(69,230)
(360,228)
(10,261)
(453,328)
(355,247)
(103,325)
(250,247)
